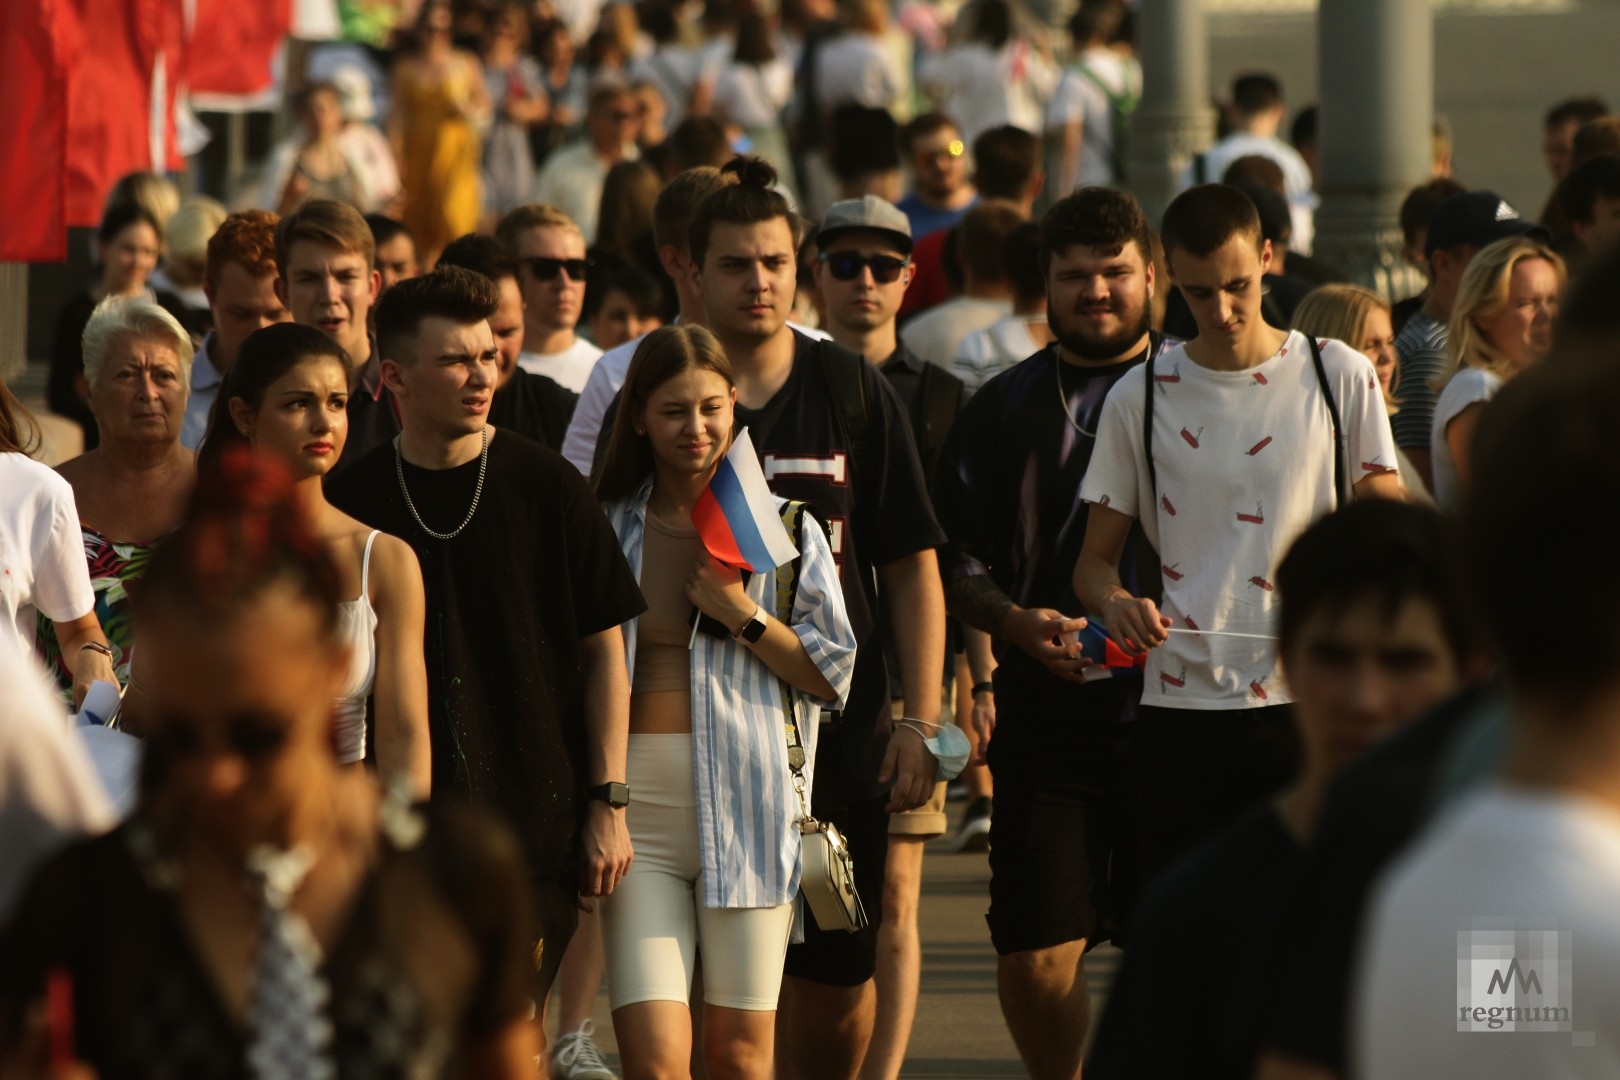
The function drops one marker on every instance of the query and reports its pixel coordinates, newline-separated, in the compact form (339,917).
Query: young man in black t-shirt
(1007,490)
(526,586)
(830,430)
(534,406)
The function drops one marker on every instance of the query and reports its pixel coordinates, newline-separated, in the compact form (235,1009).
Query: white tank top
(357,624)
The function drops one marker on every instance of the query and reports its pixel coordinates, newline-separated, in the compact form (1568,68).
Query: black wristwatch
(754,628)
(615,794)
(983,687)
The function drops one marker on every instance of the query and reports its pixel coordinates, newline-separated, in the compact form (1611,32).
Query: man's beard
(1088,347)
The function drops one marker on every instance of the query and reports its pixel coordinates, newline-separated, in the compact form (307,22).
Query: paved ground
(959,1031)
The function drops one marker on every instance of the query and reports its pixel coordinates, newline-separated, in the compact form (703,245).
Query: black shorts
(1196,771)
(1061,846)
(836,957)
(556,917)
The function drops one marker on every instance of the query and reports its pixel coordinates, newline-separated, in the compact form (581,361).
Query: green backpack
(1120,107)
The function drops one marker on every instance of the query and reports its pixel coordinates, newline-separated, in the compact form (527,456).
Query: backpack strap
(842,369)
(1147,420)
(940,399)
(1340,489)
(1121,104)
(787,592)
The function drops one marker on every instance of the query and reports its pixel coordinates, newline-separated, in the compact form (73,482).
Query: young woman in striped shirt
(713,812)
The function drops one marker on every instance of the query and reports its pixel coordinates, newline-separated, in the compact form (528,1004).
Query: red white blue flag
(736,514)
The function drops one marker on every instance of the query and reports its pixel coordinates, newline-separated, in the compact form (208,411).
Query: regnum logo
(1513,976)
(1527,979)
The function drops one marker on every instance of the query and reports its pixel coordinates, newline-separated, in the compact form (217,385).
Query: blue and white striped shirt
(748,842)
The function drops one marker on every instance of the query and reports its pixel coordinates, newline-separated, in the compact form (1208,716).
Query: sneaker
(956,791)
(577,1057)
(974,835)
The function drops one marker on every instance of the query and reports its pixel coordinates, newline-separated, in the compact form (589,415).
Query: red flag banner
(236,45)
(38,45)
(110,92)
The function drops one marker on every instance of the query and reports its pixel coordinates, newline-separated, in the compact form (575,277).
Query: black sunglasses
(546,269)
(846,266)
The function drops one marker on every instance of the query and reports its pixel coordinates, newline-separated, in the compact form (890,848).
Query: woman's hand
(90,667)
(718,592)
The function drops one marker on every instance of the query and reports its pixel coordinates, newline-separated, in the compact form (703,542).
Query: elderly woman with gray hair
(132,489)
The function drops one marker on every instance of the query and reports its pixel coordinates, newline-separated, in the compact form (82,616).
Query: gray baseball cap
(869,213)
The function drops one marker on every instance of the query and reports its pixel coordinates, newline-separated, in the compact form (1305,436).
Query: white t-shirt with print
(1245,464)
(42,567)
(568,368)
(1469,386)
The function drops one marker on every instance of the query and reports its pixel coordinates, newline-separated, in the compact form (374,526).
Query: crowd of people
(386,532)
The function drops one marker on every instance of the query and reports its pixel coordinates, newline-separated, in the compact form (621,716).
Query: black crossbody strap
(1339,488)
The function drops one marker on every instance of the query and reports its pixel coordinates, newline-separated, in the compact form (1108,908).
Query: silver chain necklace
(1063,403)
(399,471)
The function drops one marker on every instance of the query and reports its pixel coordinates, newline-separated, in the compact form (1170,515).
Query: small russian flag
(736,514)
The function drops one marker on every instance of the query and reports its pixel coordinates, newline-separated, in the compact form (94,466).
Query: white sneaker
(577,1057)
(974,834)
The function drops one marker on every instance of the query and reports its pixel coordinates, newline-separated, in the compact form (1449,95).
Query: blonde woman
(1501,323)
(1361,319)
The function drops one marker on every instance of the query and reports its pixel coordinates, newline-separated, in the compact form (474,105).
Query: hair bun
(752,171)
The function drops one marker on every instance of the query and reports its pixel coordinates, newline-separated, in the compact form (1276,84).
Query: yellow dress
(443,195)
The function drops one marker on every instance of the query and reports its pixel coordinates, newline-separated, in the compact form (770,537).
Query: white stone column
(1174,121)
(1377,114)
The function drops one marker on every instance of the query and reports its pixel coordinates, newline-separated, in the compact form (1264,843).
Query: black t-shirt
(508,601)
(876,510)
(535,407)
(1375,808)
(1179,1005)
(1007,491)
(917,381)
(435,953)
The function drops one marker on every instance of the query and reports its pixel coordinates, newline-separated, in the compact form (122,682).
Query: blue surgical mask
(949,746)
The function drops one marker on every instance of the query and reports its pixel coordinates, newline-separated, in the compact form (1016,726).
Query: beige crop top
(669,551)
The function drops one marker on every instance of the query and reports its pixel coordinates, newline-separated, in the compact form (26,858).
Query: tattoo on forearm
(979,602)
